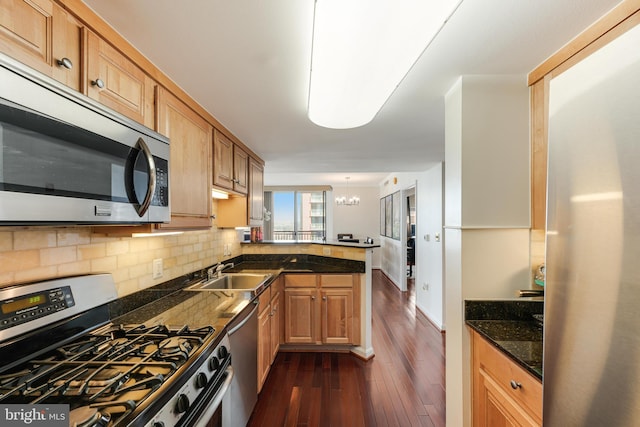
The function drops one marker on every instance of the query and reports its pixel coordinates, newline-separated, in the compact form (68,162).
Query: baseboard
(430,320)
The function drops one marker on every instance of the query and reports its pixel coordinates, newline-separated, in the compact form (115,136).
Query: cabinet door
(494,408)
(115,81)
(256,189)
(240,170)
(276,318)
(300,318)
(495,401)
(222,161)
(264,345)
(189,176)
(38,33)
(337,316)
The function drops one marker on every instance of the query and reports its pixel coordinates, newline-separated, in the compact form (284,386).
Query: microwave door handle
(151,184)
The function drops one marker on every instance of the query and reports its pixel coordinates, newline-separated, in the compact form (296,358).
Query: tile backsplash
(39,253)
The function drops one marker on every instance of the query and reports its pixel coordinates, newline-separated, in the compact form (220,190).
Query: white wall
(429,254)
(360,220)
(487,211)
(430,245)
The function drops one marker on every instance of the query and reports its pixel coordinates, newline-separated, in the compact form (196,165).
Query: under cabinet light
(217,194)
(362,49)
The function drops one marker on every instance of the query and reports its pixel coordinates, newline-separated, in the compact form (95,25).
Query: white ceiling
(247,62)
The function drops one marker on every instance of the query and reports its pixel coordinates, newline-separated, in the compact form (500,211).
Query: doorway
(408,234)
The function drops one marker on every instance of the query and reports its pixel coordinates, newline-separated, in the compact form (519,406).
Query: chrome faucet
(218,270)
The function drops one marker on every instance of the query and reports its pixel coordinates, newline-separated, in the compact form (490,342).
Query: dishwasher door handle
(245,320)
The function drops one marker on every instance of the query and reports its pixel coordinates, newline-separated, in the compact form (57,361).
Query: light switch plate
(157,268)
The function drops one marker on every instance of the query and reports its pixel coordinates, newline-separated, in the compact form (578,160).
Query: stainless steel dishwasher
(243,393)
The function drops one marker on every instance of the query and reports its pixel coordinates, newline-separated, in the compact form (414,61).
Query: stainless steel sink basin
(232,282)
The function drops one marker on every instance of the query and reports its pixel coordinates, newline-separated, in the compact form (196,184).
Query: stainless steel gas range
(59,346)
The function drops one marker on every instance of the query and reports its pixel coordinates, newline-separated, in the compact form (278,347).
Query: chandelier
(347,200)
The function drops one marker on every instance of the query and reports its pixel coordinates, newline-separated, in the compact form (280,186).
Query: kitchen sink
(232,282)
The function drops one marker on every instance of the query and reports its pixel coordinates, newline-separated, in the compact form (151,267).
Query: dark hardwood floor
(403,385)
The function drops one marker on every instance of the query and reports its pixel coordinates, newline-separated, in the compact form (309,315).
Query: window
(295,215)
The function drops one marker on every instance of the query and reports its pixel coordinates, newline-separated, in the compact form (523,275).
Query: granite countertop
(316,242)
(511,327)
(169,302)
(302,263)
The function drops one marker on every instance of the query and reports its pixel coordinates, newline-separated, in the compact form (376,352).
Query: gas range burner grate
(111,370)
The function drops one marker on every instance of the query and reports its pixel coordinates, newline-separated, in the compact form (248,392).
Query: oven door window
(40,155)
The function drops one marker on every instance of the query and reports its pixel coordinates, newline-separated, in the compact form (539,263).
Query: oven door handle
(217,400)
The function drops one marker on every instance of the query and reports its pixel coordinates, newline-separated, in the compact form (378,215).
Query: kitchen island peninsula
(331,269)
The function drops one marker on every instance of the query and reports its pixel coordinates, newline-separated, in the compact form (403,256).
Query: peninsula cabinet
(504,394)
(320,309)
(115,81)
(40,34)
(189,179)
(230,163)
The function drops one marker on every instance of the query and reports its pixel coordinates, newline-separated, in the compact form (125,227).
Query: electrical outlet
(425,286)
(157,268)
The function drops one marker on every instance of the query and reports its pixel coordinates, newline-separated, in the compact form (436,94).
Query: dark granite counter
(512,327)
(301,263)
(316,242)
(169,303)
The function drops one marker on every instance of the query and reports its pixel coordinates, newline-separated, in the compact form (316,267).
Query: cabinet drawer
(336,280)
(265,298)
(300,281)
(503,370)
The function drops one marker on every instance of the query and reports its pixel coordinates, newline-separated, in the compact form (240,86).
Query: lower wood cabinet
(504,394)
(320,309)
(269,329)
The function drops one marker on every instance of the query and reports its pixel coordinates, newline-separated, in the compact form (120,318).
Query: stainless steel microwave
(66,159)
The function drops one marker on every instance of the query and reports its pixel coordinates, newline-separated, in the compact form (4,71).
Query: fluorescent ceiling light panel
(362,49)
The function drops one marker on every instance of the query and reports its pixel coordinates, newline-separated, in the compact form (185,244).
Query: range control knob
(158,424)
(182,404)
(214,364)
(223,352)
(201,380)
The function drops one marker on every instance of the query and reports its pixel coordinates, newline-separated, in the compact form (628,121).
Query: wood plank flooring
(403,385)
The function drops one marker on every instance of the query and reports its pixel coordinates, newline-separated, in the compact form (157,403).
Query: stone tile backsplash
(40,253)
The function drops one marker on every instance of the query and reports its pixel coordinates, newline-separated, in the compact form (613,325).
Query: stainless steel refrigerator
(592,297)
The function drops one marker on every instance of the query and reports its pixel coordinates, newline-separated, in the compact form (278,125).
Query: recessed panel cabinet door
(40,34)
(189,171)
(222,161)
(115,81)
(300,318)
(337,316)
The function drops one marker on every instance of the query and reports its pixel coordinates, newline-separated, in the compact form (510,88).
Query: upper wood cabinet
(190,141)
(230,163)
(244,211)
(256,192)
(40,34)
(115,81)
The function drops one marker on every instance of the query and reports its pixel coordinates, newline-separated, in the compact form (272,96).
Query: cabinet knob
(313,298)
(98,82)
(515,385)
(324,298)
(65,62)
